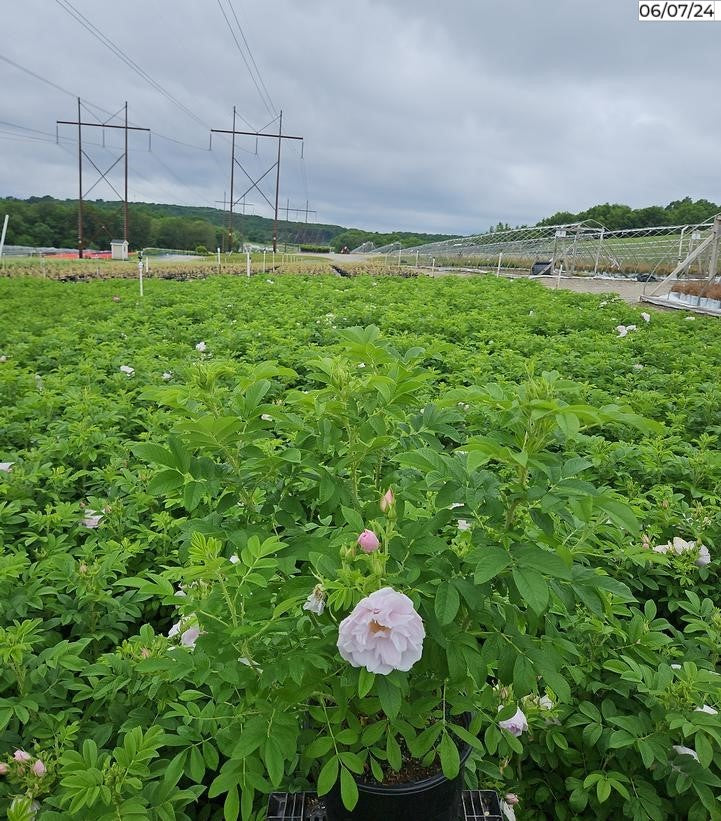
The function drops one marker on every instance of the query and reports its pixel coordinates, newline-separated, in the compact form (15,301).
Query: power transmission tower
(305,210)
(103,174)
(254,182)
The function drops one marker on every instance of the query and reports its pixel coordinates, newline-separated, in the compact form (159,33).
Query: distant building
(119,248)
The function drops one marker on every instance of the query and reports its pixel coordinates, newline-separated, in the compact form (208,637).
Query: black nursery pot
(433,799)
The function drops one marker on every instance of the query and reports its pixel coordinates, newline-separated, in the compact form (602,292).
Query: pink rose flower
(368,541)
(6,467)
(511,799)
(3,768)
(704,557)
(516,724)
(188,630)
(387,501)
(38,768)
(21,756)
(383,633)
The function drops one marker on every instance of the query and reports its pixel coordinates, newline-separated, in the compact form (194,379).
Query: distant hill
(49,222)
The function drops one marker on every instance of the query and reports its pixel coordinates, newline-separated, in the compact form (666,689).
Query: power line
(266,102)
(67,6)
(250,54)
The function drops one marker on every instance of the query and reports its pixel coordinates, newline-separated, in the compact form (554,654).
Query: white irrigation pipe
(247,263)
(498,270)
(140,276)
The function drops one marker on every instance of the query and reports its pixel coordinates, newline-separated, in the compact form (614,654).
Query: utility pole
(277,181)
(103,174)
(254,183)
(232,174)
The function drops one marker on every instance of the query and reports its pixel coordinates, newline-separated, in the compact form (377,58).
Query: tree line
(616,217)
(51,223)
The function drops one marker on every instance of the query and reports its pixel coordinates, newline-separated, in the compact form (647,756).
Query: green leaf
(524,676)
(196,765)
(328,776)
(492,561)
(532,587)
(155,455)
(389,695)
(319,747)
(348,789)
(704,750)
(450,758)
(447,602)
(543,561)
(274,763)
(231,807)
(192,494)
(603,790)
(353,518)
(365,682)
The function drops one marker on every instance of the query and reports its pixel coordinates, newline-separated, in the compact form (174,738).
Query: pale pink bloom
(680,545)
(368,541)
(387,501)
(234,559)
(315,603)
(511,798)
(361,364)
(188,630)
(704,557)
(645,317)
(167,376)
(681,750)
(6,467)
(127,369)
(116,299)
(464,524)
(516,724)
(623,330)
(545,703)
(190,636)
(3,358)
(91,519)
(3,768)
(145,653)
(383,633)
(21,756)
(38,768)
(706,709)
(201,346)
(638,367)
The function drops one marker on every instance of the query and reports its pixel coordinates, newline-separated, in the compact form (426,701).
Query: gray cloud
(417,115)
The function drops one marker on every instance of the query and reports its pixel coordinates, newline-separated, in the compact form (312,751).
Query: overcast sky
(417,115)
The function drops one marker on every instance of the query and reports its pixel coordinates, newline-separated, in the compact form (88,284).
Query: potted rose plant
(367,585)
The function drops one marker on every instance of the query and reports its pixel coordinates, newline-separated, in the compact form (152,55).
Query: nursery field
(187,485)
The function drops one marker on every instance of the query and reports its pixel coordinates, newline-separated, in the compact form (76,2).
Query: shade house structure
(695,283)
